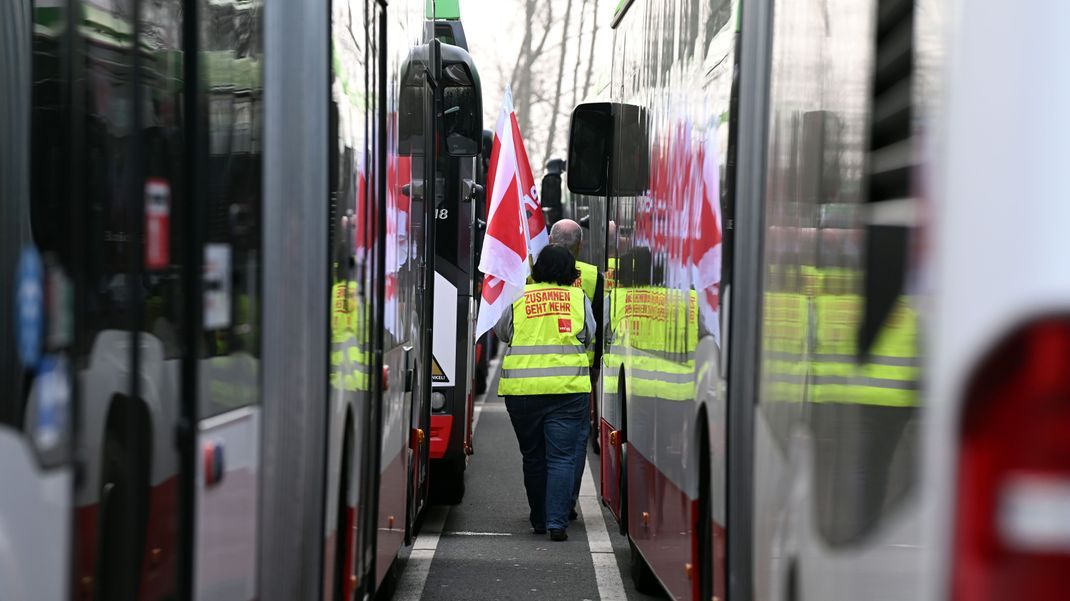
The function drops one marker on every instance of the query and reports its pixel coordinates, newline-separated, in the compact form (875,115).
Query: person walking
(568,233)
(545,380)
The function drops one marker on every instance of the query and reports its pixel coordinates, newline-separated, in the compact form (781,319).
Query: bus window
(229,377)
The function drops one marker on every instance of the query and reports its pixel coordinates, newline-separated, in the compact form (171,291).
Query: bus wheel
(123,511)
(596,447)
(447,482)
(342,568)
(704,523)
(481,376)
(622,457)
(389,585)
(642,576)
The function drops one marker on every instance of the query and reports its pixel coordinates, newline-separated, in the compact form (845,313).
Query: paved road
(483,549)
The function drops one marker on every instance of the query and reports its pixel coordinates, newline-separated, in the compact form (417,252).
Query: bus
(828,371)
(454,362)
(649,164)
(204,263)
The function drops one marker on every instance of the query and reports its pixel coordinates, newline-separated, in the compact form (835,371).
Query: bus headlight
(438,401)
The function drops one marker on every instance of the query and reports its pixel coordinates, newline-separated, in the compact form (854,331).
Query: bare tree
(550,131)
(522,79)
(540,44)
(590,57)
(579,55)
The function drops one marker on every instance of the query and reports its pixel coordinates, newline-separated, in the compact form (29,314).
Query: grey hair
(567,233)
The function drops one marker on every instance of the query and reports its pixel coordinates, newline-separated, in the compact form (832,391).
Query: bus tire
(447,482)
(704,527)
(642,576)
(124,488)
(341,570)
(622,481)
(389,584)
(481,376)
(596,447)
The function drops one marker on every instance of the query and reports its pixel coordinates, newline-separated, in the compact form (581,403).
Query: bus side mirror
(629,166)
(609,150)
(590,138)
(457,95)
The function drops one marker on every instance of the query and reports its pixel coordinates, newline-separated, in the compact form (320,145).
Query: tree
(551,130)
(522,81)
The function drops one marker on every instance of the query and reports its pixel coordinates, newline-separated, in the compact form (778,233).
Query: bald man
(569,234)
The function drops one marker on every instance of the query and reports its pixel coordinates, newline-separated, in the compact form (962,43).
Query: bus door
(453,362)
(38,260)
(223,348)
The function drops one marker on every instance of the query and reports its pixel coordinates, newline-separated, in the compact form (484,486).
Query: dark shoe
(558,534)
(539,530)
(572,515)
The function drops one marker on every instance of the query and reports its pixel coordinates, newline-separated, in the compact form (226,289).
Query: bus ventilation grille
(891,153)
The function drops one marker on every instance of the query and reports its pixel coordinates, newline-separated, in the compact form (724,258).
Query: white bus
(871,402)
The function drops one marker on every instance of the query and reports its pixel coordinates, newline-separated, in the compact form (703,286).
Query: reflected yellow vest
(546,356)
(349,353)
(611,274)
(889,377)
(655,332)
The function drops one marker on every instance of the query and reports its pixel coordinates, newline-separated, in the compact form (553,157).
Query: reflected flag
(707,235)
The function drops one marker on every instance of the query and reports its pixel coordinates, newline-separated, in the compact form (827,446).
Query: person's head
(567,233)
(555,265)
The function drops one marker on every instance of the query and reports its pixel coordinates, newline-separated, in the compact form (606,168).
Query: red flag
(504,260)
(538,237)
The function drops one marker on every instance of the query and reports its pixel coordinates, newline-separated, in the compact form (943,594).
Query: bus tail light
(1012,512)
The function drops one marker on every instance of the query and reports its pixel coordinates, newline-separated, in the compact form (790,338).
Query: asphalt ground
(484,549)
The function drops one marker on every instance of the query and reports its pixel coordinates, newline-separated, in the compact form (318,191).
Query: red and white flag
(504,261)
(538,237)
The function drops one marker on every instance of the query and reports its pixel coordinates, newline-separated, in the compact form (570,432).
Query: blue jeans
(581,457)
(548,428)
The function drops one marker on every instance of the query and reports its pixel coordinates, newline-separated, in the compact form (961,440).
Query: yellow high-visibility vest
(546,355)
(588,280)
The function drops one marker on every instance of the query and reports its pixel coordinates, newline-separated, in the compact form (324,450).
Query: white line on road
(467,533)
(418,566)
(606,570)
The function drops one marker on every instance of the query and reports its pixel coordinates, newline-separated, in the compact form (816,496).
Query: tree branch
(590,57)
(550,131)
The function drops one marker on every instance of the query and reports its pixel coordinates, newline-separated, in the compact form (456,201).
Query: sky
(494,29)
